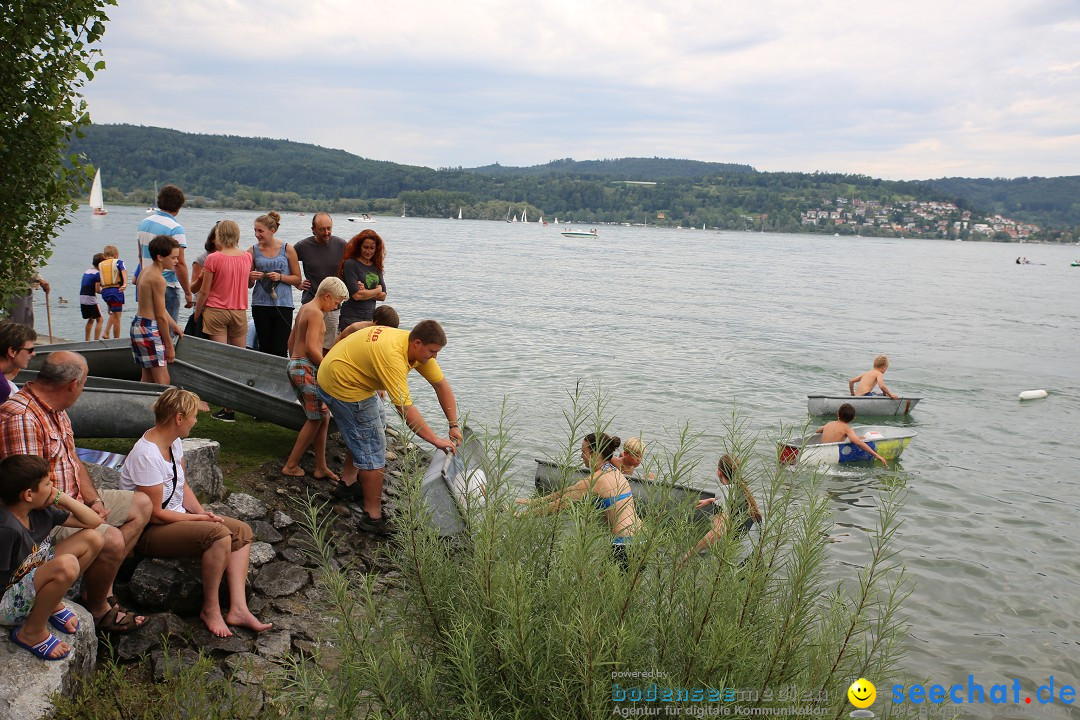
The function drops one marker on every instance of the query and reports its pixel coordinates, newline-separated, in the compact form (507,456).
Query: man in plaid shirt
(35,422)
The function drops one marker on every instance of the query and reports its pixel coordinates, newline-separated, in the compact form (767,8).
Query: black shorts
(90,312)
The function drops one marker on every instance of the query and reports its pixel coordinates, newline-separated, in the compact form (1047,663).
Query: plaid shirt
(28,426)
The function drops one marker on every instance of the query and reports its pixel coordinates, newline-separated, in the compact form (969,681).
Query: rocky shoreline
(282,582)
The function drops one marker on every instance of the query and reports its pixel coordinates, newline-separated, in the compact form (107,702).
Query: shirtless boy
(305,356)
(153,349)
(839,430)
(871,379)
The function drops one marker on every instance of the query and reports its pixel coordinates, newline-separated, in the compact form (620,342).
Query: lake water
(680,325)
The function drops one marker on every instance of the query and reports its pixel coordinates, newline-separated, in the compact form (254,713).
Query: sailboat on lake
(97,200)
(459,212)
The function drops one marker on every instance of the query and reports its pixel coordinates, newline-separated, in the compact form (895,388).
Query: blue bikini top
(606,502)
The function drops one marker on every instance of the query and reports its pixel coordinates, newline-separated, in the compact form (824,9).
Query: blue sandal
(43,649)
(60,618)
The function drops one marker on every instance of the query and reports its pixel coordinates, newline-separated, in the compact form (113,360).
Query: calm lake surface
(680,326)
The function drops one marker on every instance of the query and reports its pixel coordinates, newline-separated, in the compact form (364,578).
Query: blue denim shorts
(362,429)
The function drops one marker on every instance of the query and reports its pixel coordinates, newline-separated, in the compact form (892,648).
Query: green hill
(260,173)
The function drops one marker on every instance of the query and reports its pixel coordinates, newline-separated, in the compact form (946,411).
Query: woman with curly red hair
(362,270)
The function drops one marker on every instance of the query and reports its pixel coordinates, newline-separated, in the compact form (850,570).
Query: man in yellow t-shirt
(355,369)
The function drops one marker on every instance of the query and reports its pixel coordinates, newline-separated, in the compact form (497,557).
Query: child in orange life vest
(113,282)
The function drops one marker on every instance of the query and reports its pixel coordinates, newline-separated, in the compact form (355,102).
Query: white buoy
(1033,394)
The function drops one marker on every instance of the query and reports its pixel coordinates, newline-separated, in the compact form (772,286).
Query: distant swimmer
(871,379)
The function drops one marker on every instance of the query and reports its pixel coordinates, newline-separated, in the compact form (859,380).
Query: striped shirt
(28,426)
(160,223)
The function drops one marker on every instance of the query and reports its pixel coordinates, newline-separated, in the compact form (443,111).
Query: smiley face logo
(862,693)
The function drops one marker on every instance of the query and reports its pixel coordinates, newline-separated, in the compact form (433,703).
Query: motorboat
(579,233)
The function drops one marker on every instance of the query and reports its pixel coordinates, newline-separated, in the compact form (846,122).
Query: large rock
(201,469)
(160,629)
(29,683)
(104,478)
(246,507)
(174,585)
(281,578)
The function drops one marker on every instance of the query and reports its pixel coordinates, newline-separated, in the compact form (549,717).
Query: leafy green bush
(530,617)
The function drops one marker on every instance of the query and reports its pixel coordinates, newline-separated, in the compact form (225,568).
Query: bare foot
(325,474)
(215,623)
(294,472)
(203,407)
(244,618)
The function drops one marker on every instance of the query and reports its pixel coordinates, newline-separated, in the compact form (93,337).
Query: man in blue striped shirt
(163,222)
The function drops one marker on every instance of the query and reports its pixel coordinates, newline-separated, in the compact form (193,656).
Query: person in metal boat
(865,383)
(840,430)
(740,507)
(631,457)
(606,483)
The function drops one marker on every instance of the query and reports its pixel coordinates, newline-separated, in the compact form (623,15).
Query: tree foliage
(46,56)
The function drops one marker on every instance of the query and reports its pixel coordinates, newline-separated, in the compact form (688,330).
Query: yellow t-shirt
(375,358)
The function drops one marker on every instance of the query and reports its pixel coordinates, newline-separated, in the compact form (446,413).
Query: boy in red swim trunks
(153,350)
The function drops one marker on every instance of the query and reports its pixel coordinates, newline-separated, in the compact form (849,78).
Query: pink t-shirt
(229,290)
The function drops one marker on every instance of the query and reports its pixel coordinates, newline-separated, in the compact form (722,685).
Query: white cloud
(917,90)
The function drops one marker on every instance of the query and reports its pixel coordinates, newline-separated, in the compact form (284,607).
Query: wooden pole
(48,316)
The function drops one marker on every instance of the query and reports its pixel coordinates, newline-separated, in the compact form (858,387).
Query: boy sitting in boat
(740,505)
(840,430)
(871,379)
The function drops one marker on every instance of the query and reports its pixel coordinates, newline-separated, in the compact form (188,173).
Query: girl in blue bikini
(607,484)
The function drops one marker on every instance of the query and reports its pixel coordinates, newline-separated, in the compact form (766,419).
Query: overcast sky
(911,90)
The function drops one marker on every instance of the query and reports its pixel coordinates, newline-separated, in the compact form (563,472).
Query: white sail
(524,217)
(459,213)
(97,201)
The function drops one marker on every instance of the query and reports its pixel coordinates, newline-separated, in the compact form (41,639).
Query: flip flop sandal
(109,623)
(60,618)
(43,649)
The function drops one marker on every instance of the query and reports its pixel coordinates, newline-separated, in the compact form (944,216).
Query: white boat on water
(365,218)
(879,405)
(579,233)
(97,200)
(889,442)
(459,213)
(524,215)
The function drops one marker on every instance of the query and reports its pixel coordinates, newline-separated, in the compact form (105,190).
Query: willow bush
(530,617)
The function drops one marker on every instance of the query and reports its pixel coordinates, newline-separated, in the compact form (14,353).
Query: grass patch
(245,444)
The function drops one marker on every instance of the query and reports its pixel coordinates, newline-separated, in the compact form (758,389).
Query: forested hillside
(1047,201)
(260,173)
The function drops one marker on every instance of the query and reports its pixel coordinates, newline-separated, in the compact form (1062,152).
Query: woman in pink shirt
(223,296)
